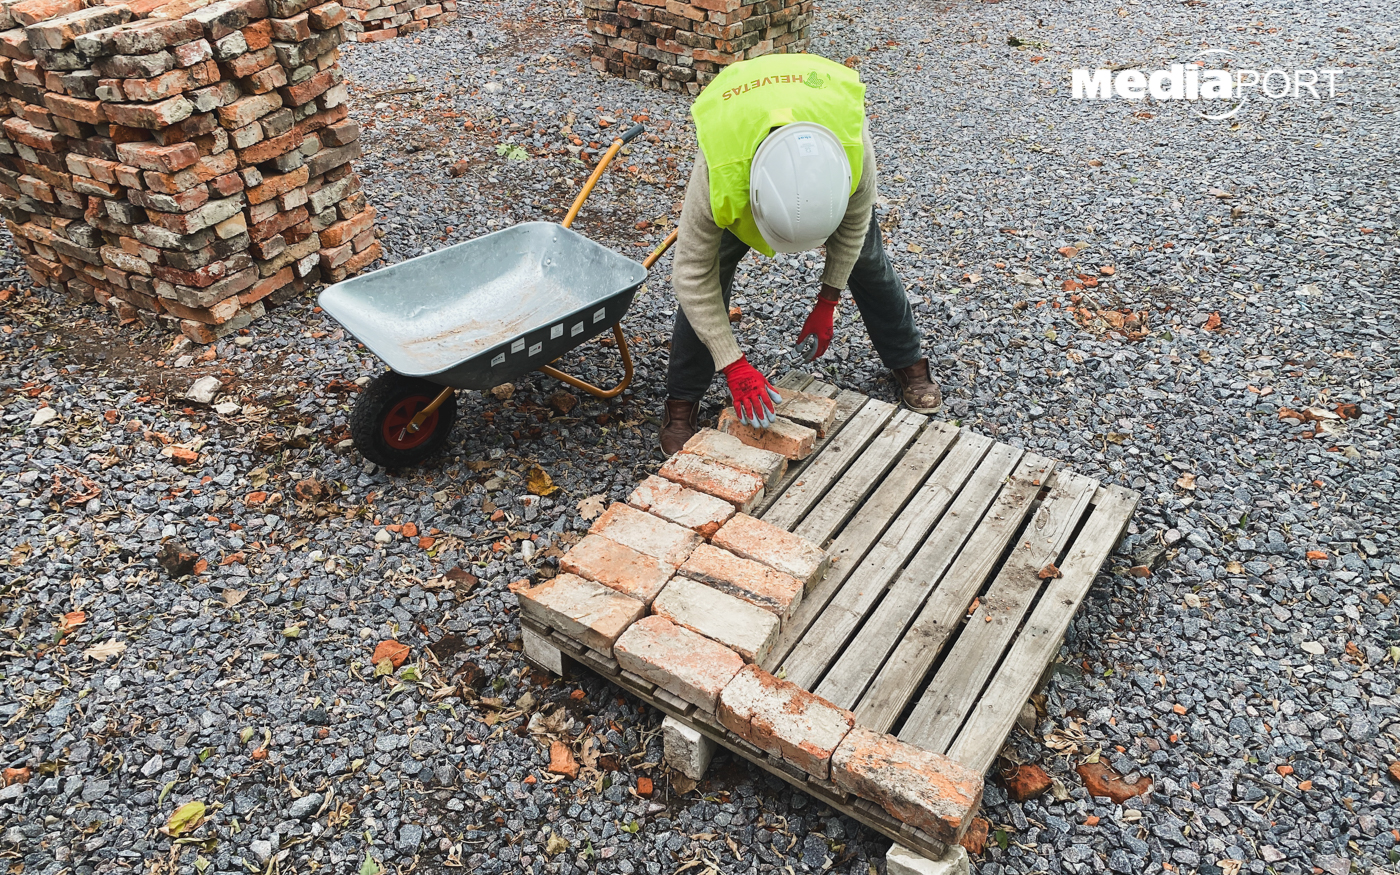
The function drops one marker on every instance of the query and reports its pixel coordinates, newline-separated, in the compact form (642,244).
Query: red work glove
(753,396)
(819,325)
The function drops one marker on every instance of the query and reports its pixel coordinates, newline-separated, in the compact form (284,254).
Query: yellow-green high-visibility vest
(746,100)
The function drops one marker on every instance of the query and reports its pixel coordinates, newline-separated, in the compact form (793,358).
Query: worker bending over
(785,165)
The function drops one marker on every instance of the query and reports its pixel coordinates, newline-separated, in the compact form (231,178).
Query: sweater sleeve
(844,245)
(695,269)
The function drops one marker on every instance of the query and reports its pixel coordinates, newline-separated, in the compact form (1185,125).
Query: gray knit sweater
(695,273)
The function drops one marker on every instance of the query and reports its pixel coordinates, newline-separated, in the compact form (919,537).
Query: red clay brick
(743,627)
(682,662)
(764,542)
(729,450)
(348,229)
(813,411)
(783,436)
(645,533)
(784,719)
(685,507)
(587,612)
(621,568)
(921,788)
(743,489)
(775,592)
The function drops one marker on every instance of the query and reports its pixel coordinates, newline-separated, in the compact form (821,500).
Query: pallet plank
(862,579)
(862,477)
(904,673)
(794,380)
(847,403)
(881,630)
(849,549)
(974,656)
(827,465)
(986,729)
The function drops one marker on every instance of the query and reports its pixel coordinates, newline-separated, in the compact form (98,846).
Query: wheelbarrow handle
(597,174)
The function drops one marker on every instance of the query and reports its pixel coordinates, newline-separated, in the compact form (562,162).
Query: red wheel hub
(395,428)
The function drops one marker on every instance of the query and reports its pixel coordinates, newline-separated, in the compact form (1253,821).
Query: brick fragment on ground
(813,411)
(1024,782)
(681,505)
(743,627)
(623,569)
(784,436)
(682,662)
(561,760)
(588,612)
(743,489)
(646,533)
(975,839)
(784,719)
(771,590)
(921,788)
(754,539)
(1100,780)
(728,450)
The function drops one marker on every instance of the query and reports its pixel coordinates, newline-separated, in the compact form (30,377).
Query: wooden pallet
(958,564)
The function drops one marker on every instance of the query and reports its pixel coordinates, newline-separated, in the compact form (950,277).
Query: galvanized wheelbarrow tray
(479,314)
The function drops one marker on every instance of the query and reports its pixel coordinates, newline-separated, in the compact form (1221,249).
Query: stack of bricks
(681,44)
(372,21)
(801,421)
(180,160)
(688,592)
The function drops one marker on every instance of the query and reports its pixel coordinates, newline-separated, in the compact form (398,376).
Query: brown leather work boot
(680,425)
(917,387)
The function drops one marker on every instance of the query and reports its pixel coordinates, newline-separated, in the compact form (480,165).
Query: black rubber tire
(379,400)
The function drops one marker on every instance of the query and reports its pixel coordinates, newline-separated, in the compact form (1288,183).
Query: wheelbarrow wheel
(379,422)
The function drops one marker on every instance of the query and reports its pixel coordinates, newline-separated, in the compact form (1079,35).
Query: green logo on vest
(814,80)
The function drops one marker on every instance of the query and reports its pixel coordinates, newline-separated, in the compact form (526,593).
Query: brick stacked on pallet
(688,592)
(372,21)
(681,44)
(178,159)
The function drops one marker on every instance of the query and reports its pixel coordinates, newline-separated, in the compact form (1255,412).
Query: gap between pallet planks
(921,519)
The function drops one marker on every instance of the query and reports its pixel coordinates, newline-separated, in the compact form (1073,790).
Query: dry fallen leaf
(100,652)
(1212,323)
(391,650)
(1048,572)
(1186,481)
(233,596)
(538,482)
(186,817)
(71,621)
(590,507)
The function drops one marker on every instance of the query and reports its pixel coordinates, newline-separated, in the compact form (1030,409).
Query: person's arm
(695,269)
(844,245)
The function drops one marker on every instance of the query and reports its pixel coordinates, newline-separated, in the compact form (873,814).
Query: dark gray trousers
(875,287)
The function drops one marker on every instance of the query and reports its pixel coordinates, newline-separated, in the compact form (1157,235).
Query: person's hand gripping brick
(754,397)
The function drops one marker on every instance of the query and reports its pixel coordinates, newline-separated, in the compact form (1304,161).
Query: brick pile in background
(688,592)
(184,161)
(681,44)
(371,21)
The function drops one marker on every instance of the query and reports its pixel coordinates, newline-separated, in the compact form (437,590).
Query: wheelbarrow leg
(589,387)
(417,421)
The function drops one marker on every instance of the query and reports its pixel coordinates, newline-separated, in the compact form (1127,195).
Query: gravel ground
(1252,676)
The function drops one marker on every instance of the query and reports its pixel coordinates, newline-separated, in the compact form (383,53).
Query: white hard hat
(799,184)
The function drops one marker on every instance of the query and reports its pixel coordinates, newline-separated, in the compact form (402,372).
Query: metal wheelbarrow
(479,314)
